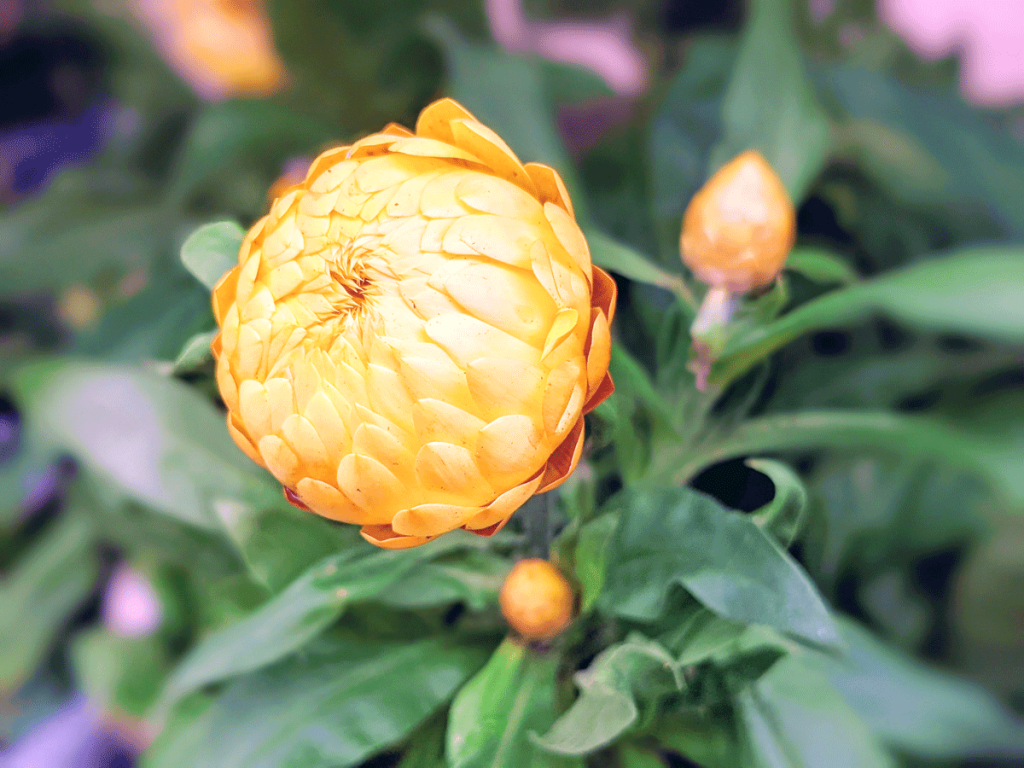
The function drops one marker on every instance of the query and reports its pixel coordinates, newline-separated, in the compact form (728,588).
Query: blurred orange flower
(222,48)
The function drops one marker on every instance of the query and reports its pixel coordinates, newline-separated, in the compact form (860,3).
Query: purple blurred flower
(74,737)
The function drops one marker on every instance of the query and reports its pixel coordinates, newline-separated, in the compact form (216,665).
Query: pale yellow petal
(431,519)
(377,443)
(481,141)
(384,536)
(505,298)
(242,440)
(550,186)
(371,486)
(598,350)
(437,420)
(564,324)
(467,339)
(489,194)
(570,236)
(562,384)
(448,473)
(435,120)
(328,501)
(508,449)
(496,237)
(421,146)
(502,386)
(503,506)
(280,459)
(254,408)
(281,399)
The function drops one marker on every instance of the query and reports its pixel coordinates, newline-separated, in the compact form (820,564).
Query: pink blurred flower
(988,34)
(604,47)
(131,607)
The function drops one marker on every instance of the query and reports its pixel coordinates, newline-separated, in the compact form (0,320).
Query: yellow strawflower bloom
(740,227)
(413,334)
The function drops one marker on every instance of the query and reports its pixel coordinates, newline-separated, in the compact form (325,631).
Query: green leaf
(40,592)
(978,291)
(493,715)
(918,709)
(683,131)
(572,84)
(609,688)
(679,536)
(277,541)
(289,620)
(152,439)
(928,145)
(702,636)
(212,250)
(592,558)
(623,260)
(151,325)
(821,266)
(330,707)
(195,353)
(122,675)
(770,104)
(991,456)
(783,516)
(234,134)
(793,718)
(75,234)
(473,577)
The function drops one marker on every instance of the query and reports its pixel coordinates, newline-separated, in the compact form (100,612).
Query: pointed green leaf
(288,621)
(494,713)
(609,688)
(150,438)
(783,516)
(212,250)
(979,291)
(821,266)
(39,593)
(195,352)
(330,707)
(790,128)
(793,718)
(679,536)
(918,709)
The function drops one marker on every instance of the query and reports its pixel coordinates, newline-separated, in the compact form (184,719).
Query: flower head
(413,334)
(740,226)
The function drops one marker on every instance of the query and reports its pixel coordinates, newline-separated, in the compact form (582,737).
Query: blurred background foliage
(816,562)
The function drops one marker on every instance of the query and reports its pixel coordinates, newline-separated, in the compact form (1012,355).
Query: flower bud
(536,599)
(740,226)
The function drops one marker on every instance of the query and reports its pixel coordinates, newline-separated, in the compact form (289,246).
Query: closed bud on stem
(737,232)
(536,599)
(739,228)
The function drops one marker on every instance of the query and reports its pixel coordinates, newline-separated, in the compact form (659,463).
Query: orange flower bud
(739,228)
(536,599)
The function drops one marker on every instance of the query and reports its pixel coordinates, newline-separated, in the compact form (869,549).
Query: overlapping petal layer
(413,334)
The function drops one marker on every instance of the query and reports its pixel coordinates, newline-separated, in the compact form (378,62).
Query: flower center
(353,285)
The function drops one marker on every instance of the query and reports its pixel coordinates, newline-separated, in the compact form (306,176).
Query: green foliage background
(869,614)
